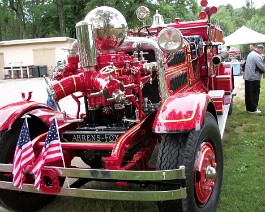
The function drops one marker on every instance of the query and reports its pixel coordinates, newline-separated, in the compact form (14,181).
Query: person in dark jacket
(254,69)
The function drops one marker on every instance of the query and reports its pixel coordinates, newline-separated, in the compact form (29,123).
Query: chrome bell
(158,21)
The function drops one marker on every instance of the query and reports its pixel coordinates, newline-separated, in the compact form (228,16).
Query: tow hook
(50,183)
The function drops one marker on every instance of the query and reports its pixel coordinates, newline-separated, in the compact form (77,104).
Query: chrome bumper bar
(99,174)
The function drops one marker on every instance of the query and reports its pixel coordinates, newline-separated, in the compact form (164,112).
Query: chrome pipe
(86,44)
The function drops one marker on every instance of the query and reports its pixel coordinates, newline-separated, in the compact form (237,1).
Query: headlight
(142,13)
(170,39)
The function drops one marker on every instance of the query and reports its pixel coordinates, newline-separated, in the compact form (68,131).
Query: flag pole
(23,156)
(67,179)
(25,117)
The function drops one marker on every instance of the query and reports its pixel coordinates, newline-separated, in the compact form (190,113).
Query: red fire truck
(156,103)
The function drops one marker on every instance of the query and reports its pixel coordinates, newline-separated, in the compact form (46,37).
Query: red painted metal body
(10,113)
(181,112)
(192,28)
(134,94)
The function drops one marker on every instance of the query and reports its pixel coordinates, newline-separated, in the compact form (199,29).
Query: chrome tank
(110,27)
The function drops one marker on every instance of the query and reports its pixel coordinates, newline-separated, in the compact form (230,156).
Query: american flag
(24,156)
(217,25)
(51,151)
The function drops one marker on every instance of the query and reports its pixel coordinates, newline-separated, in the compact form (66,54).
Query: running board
(222,118)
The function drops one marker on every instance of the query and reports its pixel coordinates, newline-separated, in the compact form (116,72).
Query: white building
(19,56)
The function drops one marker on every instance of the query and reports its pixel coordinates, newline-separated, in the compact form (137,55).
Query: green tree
(126,7)
(47,18)
(185,10)
(18,7)
(239,17)
(36,13)
(225,20)
(74,12)
(8,21)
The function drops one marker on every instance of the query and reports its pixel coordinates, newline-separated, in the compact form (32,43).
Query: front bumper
(103,175)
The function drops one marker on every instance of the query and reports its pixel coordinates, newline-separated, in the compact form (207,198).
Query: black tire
(14,200)
(186,149)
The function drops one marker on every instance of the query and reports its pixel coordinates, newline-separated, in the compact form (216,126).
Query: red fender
(10,113)
(181,112)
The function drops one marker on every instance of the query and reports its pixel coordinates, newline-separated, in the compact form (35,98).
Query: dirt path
(239,87)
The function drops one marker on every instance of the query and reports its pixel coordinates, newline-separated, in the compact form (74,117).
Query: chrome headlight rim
(170,39)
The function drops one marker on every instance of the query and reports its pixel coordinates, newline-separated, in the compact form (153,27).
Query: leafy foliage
(231,19)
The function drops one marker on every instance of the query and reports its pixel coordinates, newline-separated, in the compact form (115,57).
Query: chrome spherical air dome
(110,27)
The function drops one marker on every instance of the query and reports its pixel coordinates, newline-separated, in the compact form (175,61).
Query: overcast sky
(234,3)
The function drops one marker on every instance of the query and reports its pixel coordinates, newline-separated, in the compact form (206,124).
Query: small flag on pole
(24,156)
(51,151)
(217,25)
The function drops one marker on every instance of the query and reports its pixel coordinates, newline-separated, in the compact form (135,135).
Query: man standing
(227,59)
(252,75)
(252,46)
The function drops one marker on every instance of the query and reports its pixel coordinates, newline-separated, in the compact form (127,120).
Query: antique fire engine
(156,102)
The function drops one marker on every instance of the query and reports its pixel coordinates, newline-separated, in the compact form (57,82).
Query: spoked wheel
(17,200)
(201,153)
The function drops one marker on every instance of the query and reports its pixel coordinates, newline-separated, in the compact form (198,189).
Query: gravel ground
(11,90)
(239,87)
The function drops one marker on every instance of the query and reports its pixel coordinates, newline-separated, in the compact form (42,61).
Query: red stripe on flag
(51,151)
(24,156)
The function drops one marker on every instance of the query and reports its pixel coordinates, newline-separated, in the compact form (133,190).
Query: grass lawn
(244,159)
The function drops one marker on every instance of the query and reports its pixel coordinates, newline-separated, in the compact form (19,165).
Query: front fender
(181,112)
(10,113)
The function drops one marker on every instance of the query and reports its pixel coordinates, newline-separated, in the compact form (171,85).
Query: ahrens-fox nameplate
(74,136)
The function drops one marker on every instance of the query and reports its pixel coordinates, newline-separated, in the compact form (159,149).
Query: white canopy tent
(244,35)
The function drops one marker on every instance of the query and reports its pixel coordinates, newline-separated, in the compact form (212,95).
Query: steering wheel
(146,28)
(107,69)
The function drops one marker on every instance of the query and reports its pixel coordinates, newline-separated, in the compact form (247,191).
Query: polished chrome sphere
(110,27)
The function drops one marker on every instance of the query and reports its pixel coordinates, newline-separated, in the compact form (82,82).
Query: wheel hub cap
(205,172)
